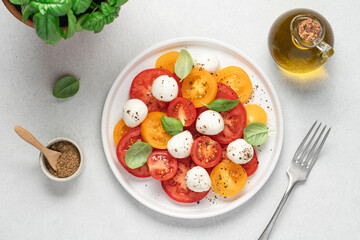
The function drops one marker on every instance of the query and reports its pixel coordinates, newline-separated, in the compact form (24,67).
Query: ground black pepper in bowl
(69,161)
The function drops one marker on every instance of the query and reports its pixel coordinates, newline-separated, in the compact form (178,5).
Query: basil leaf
(112,2)
(256,133)
(100,29)
(137,154)
(66,87)
(79,21)
(70,31)
(25,12)
(16,2)
(184,64)
(47,28)
(120,3)
(94,22)
(106,8)
(109,19)
(222,105)
(80,6)
(110,13)
(53,7)
(171,125)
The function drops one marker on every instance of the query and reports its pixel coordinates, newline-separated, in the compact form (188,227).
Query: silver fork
(300,167)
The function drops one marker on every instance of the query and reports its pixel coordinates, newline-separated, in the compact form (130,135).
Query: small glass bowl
(43,160)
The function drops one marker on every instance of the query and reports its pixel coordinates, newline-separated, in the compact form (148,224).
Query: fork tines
(308,152)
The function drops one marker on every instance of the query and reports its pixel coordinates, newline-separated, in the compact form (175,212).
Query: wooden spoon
(51,156)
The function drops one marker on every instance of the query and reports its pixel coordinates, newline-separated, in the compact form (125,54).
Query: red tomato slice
(206,152)
(183,110)
(234,120)
(193,131)
(251,166)
(223,157)
(162,165)
(177,79)
(131,137)
(201,110)
(225,89)
(224,152)
(141,89)
(179,83)
(176,187)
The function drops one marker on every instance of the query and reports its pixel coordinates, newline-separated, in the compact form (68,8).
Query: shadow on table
(219,220)
(61,189)
(305,82)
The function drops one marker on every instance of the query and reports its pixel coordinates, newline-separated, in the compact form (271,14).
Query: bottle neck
(307,31)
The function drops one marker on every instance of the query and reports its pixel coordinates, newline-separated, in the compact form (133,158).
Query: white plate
(149,191)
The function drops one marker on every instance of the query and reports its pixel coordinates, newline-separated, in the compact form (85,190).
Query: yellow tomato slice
(167,61)
(119,131)
(199,87)
(153,132)
(228,178)
(237,79)
(255,113)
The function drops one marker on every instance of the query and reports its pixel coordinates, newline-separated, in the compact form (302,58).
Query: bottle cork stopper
(309,30)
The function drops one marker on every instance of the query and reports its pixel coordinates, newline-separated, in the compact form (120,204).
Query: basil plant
(78,14)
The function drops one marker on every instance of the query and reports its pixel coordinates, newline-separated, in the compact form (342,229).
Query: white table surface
(96,206)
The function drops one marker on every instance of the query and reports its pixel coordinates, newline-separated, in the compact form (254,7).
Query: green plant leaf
(17,2)
(47,28)
(171,125)
(25,12)
(66,87)
(70,31)
(100,29)
(54,7)
(80,6)
(256,133)
(184,64)
(110,18)
(79,21)
(112,2)
(120,3)
(110,12)
(94,22)
(137,154)
(222,105)
(106,9)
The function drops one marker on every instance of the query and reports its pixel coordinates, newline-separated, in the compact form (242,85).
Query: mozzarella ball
(198,180)
(165,88)
(239,151)
(179,146)
(210,123)
(208,62)
(134,112)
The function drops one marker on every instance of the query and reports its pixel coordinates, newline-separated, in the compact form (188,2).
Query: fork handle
(266,233)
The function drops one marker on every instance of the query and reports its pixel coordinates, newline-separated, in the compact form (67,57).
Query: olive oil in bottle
(301,41)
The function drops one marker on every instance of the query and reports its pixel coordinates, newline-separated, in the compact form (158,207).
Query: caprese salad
(186,126)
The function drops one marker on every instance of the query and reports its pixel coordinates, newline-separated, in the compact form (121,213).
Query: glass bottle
(301,41)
